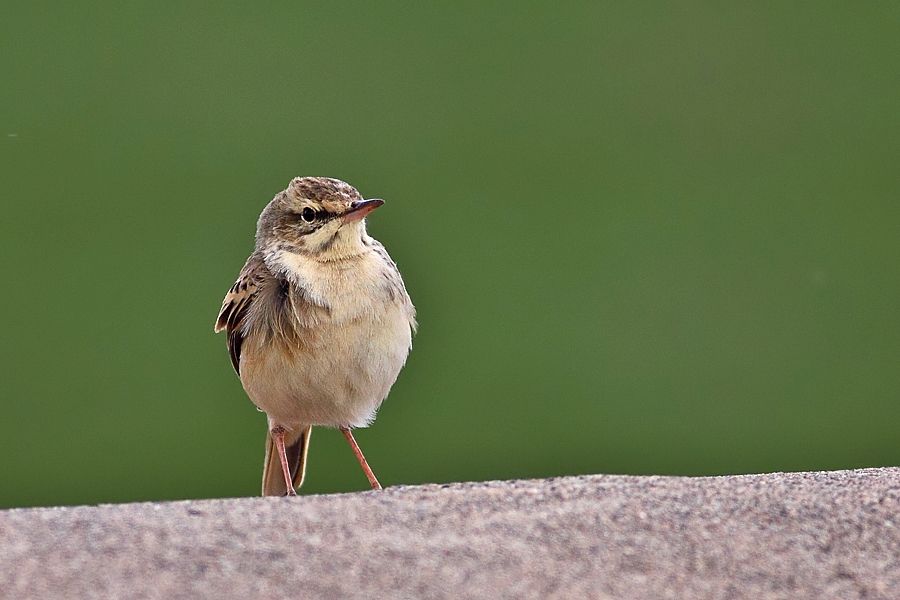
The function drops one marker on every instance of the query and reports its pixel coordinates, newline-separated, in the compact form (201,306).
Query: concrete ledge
(797,535)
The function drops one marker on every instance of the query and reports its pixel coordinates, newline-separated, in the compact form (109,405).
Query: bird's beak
(359,209)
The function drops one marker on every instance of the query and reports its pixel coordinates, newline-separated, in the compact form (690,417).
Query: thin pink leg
(278,434)
(373,481)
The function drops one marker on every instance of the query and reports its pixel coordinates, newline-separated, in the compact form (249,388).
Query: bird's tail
(296,446)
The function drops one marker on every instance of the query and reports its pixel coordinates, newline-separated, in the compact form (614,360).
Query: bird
(318,324)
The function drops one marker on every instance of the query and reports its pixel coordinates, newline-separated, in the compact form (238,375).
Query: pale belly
(338,376)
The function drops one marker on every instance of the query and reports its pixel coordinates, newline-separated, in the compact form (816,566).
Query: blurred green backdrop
(642,238)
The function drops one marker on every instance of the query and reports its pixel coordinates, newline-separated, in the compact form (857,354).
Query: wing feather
(236,305)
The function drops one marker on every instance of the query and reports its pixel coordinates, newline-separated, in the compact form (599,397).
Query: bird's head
(318,217)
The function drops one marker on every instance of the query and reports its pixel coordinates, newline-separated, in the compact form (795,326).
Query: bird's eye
(308,215)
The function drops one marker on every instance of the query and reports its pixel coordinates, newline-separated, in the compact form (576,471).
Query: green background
(642,237)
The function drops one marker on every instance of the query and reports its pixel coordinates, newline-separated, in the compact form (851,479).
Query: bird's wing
(235,306)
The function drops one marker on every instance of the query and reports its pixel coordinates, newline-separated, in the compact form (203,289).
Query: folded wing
(236,306)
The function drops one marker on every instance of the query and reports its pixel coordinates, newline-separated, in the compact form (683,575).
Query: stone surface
(798,535)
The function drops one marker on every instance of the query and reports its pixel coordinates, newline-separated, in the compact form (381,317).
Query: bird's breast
(351,337)
(348,289)
(338,375)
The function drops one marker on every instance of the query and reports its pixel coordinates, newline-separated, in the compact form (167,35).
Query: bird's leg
(373,481)
(278,435)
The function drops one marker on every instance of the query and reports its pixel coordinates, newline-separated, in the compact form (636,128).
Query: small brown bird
(318,323)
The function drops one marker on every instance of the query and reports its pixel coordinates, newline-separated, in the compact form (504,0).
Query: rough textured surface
(801,535)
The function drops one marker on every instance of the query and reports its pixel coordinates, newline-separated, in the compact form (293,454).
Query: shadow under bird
(318,323)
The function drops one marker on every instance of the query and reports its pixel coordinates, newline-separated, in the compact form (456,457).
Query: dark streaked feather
(235,306)
(235,341)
